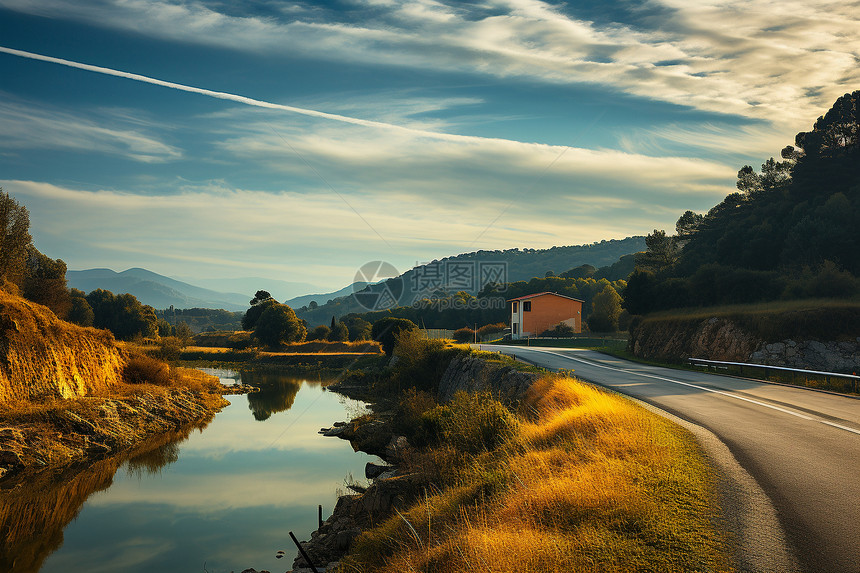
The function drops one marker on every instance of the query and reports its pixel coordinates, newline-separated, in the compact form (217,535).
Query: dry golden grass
(589,482)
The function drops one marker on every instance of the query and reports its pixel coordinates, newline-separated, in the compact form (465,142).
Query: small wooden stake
(302,551)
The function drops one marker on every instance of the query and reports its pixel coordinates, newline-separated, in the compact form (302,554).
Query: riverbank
(63,431)
(498,469)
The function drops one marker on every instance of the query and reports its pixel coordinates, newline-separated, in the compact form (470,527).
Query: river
(217,500)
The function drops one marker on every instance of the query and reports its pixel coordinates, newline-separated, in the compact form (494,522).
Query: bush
(420,362)
(489,329)
(409,419)
(340,333)
(464,335)
(386,330)
(559,331)
(319,333)
(170,348)
(472,422)
(145,370)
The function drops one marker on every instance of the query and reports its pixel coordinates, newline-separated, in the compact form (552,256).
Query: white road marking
(696,386)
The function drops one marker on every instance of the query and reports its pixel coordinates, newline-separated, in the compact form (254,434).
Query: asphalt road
(801,446)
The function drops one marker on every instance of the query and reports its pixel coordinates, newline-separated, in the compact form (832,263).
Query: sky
(299,140)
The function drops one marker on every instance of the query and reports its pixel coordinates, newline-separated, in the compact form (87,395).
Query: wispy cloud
(224,229)
(25,126)
(734,57)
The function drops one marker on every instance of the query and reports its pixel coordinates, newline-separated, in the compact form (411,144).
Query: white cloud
(424,206)
(28,127)
(756,58)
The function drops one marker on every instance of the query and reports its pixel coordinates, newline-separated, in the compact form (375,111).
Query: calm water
(222,498)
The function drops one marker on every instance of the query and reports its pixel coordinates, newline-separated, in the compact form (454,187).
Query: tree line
(27,272)
(789,231)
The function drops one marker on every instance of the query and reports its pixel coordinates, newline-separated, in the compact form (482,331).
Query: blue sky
(362,130)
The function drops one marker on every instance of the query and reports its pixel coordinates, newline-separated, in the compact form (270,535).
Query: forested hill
(517,265)
(525,264)
(790,231)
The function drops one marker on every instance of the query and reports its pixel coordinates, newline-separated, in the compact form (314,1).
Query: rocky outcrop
(810,355)
(92,428)
(351,515)
(471,373)
(43,357)
(677,340)
(735,340)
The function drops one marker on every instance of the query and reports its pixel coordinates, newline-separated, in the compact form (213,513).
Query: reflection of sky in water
(228,502)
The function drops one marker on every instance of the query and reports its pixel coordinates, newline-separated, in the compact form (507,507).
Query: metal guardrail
(854,379)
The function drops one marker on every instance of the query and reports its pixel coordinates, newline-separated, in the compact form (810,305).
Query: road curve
(801,446)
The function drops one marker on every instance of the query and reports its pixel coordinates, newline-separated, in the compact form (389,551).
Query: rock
(336,431)
(396,447)
(372,470)
(339,424)
(473,374)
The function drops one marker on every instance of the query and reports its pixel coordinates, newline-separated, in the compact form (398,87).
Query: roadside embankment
(497,469)
(794,336)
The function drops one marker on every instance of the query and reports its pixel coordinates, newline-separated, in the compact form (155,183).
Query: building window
(527,306)
(514,327)
(515,307)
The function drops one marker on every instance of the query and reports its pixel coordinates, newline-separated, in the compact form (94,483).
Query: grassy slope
(43,357)
(587,481)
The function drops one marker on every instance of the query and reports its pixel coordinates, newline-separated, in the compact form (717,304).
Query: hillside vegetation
(43,357)
(789,232)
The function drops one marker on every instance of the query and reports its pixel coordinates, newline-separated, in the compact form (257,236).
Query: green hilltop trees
(790,231)
(14,238)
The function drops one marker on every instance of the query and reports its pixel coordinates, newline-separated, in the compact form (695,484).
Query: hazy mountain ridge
(154,289)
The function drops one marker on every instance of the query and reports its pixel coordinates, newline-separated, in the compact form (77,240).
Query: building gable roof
(544,294)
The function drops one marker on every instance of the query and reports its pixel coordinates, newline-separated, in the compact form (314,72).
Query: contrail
(243,99)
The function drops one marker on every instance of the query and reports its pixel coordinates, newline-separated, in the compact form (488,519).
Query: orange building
(534,313)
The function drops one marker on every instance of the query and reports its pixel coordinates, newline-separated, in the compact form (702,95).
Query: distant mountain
(155,290)
(455,273)
(281,290)
(321,299)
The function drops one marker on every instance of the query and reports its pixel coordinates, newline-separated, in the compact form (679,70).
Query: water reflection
(275,394)
(35,507)
(223,498)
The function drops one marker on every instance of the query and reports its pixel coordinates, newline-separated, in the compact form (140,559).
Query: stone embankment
(676,340)
(810,355)
(470,373)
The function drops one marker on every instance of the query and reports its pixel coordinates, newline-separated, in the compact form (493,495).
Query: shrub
(409,419)
(464,335)
(170,348)
(319,333)
(420,362)
(145,370)
(386,329)
(489,329)
(340,333)
(559,331)
(472,422)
